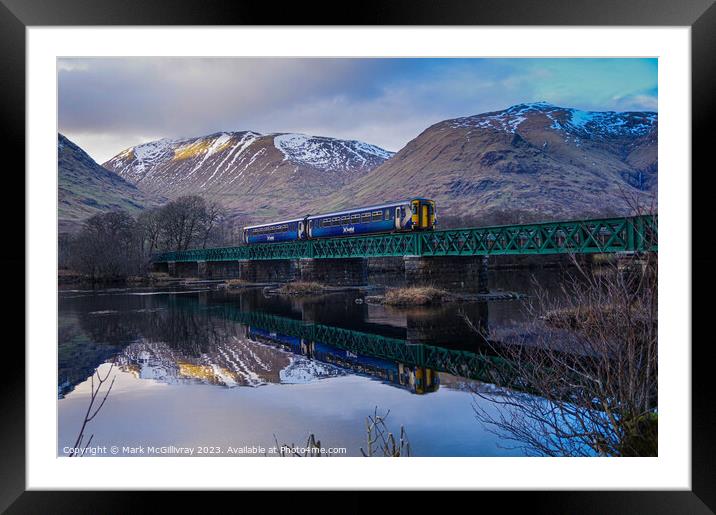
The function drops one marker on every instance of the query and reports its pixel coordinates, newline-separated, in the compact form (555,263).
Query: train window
(377,216)
(337,220)
(355,218)
(365,217)
(387,214)
(345,220)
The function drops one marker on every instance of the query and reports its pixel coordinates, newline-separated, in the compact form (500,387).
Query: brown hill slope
(85,188)
(528,162)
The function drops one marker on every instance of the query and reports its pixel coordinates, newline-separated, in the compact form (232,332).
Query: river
(201,370)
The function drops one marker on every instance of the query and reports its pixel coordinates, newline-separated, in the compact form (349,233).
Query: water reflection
(251,338)
(202,365)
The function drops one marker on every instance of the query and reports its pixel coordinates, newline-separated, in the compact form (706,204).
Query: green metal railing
(606,235)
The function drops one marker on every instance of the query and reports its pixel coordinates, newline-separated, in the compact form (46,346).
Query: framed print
(428,234)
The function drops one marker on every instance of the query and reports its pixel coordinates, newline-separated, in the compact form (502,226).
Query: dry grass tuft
(301,288)
(414,296)
(234,283)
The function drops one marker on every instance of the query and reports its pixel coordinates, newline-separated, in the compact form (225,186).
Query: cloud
(108,104)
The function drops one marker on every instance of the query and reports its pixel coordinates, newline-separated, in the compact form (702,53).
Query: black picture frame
(700,15)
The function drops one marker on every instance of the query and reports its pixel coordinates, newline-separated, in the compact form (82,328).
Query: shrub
(414,296)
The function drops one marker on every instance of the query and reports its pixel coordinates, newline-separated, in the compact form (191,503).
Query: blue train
(408,215)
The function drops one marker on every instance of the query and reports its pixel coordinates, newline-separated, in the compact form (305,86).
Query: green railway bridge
(449,257)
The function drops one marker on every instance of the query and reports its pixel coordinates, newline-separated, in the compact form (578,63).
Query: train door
(423,214)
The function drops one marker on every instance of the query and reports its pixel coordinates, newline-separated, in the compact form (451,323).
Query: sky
(106,105)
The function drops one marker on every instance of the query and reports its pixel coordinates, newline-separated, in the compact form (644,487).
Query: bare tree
(381,440)
(584,369)
(189,221)
(312,448)
(150,222)
(179,219)
(109,246)
(77,449)
(213,215)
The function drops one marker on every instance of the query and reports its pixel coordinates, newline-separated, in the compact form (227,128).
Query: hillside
(260,176)
(528,162)
(85,188)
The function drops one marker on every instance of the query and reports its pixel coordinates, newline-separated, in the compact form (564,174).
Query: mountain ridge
(247,171)
(535,160)
(85,188)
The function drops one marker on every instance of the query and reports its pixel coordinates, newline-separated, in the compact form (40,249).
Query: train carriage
(275,232)
(408,215)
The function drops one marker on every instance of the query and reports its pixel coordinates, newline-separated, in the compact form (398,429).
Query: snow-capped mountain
(248,171)
(529,161)
(85,188)
(575,122)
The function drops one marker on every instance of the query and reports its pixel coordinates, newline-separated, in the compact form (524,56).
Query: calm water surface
(198,366)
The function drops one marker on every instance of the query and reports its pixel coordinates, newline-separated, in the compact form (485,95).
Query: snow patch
(328,153)
(302,370)
(575,122)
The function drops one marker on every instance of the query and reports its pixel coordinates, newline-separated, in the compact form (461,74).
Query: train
(415,214)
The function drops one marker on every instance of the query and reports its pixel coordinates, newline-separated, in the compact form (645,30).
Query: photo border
(700,15)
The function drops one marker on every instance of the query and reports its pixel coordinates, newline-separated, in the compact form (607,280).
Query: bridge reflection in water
(249,339)
(399,361)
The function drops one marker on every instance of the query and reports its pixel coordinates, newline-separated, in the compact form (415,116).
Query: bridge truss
(606,235)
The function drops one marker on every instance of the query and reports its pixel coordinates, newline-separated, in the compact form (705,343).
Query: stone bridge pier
(161,267)
(220,270)
(180,268)
(269,270)
(467,273)
(335,272)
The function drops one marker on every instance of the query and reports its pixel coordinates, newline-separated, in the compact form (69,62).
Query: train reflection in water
(418,380)
(236,339)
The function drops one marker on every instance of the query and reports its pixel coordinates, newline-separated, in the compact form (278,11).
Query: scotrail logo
(349,230)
